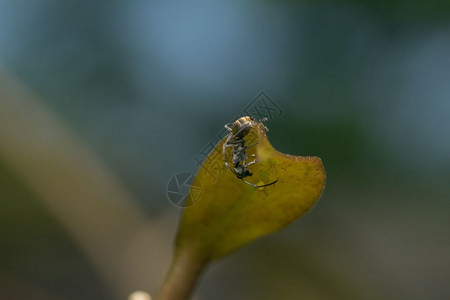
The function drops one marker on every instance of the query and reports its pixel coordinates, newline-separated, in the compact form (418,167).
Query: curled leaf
(231,213)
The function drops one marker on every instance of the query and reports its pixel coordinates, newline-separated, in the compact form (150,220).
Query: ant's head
(242,126)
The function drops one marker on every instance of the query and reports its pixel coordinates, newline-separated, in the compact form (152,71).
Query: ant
(235,139)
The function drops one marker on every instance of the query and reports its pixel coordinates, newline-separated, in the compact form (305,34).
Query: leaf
(230,213)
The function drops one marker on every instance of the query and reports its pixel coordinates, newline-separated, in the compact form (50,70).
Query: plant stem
(183,274)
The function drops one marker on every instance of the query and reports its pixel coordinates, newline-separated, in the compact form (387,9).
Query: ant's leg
(229,168)
(261,122)
(254,161)
(246,147)
(250,163)
(252,184)
(235,142)
(227,127)
(224,152)
(258,186)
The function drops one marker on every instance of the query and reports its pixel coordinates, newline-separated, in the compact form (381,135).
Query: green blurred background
(102,102)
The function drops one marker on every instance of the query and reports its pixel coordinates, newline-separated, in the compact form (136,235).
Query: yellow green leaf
(230,213)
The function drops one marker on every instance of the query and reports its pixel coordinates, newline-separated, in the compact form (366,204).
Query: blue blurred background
(102,102)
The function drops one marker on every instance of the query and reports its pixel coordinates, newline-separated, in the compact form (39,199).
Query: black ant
(235,139)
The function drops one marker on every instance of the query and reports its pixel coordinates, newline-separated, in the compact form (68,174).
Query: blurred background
(102,102)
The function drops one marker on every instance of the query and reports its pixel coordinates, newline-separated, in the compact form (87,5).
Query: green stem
(183,274)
